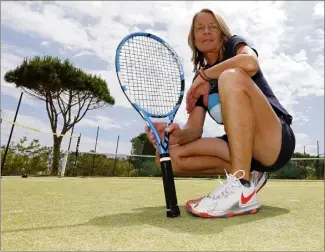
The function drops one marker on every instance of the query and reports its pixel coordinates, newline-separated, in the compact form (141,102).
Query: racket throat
(164,147)
(165,144)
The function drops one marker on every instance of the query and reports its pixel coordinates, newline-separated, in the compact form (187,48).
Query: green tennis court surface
(73,214)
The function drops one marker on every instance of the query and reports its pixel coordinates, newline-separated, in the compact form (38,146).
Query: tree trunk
(56,154)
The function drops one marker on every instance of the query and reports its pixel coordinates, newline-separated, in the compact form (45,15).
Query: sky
(289,37)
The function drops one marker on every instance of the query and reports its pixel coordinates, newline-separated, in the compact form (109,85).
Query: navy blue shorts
(287,149)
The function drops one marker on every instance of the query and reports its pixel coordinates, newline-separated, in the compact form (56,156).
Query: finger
(160,126)
(190,103)
(196,83)
(170,128)
(156,124)
(187,100)
(196,94)
(188,95)
(190,106)
(189,110)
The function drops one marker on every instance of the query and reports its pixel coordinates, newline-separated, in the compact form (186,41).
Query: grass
(71,214)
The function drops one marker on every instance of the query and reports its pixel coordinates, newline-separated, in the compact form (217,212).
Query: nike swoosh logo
(244,199)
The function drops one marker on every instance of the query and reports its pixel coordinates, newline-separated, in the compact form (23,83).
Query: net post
(64,164)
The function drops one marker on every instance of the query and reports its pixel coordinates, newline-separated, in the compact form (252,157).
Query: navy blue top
(258,78)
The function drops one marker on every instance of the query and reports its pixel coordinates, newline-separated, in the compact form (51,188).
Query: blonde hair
(197,56)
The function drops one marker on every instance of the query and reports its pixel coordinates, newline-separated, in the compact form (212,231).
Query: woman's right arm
(193,128)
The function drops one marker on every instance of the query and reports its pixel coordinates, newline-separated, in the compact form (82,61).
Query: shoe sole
(227,215)
(188,204)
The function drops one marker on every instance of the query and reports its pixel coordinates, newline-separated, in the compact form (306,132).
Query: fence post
(92,168)
(118,137)
(11,131)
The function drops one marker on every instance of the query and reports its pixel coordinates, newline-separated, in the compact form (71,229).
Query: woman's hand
(199,87)
(173,130)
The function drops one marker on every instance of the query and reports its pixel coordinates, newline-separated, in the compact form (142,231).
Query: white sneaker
(229,199)
(259,179)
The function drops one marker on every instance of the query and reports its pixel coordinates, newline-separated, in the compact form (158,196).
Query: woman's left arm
(245,58)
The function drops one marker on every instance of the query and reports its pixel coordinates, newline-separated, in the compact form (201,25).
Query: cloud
(292,77)
(45,43)
(316,41)
(101,121)
(318,64)
(83,53)
(21,52)
(301,56)
(45,23)
(303,140)
(319,10)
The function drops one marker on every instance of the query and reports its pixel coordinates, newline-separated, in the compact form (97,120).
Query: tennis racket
(152,78)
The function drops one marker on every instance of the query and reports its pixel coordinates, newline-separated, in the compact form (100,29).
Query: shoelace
(225,188)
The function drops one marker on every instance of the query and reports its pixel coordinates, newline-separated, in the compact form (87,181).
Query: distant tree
(142,146)
(302,155)
(26,158)
(68,93)
(310,169)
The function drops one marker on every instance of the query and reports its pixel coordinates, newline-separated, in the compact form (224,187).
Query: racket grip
(169,186)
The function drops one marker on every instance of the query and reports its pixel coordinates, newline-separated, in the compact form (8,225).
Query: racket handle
(169,186)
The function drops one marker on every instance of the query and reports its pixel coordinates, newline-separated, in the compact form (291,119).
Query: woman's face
(206,33)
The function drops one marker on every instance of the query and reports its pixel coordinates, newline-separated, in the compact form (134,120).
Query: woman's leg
(252,127)
(253,130)
(205,156)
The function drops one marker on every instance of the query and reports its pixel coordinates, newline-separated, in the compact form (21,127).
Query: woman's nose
(206,30)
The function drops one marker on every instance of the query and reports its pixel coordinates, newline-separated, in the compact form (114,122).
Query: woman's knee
(177,162)
(233,79)
(177,169)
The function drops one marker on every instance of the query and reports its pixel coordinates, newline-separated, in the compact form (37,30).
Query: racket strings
(151,74)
